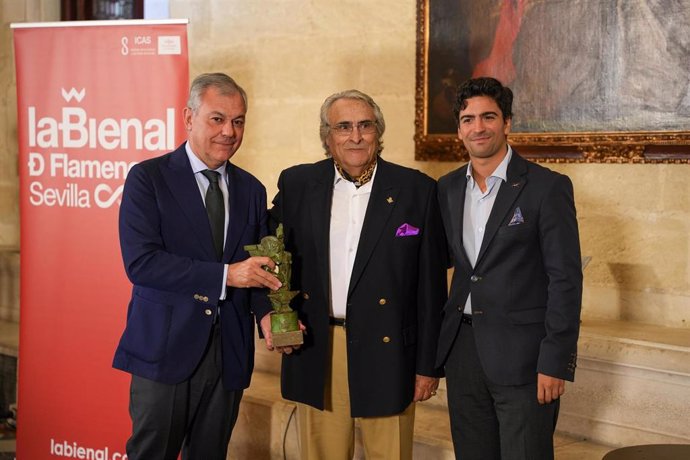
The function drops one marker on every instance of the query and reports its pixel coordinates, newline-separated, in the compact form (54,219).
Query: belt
(336,321)
(467,319)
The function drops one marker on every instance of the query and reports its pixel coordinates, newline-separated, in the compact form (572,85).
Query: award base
(285,329)
(287,339)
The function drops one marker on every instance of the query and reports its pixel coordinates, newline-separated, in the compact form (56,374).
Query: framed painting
(593,80)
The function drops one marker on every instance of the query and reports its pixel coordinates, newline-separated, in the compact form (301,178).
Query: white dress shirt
(203,183)
(478,206)
(348,209)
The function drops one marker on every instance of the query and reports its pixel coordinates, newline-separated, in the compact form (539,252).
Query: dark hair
(484,86)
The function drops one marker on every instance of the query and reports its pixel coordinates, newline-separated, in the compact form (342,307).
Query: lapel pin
(389,199)
(515,184)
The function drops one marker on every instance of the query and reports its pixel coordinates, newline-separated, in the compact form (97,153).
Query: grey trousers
(195,416)
(494,422)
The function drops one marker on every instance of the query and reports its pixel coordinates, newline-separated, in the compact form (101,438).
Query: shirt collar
(198,165)
(501,171)
(338,178)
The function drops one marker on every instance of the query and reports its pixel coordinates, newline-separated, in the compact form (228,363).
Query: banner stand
(93,99)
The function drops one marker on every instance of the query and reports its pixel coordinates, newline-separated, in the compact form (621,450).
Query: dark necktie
(215,210)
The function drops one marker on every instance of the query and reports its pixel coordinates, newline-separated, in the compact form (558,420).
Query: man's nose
(228,129)
(355,135)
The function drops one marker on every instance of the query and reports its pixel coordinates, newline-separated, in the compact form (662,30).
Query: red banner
(93,99)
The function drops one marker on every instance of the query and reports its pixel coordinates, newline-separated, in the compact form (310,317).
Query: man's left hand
(265,324)
(549,388)
(424,387)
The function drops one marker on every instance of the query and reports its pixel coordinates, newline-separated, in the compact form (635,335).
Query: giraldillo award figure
(284,325)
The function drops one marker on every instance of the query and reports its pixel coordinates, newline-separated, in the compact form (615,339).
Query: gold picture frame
(559,146)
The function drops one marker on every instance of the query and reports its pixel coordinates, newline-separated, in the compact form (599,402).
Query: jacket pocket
(146,334)
(516,232)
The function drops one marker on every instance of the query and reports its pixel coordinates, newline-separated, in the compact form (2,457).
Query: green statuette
(284,325)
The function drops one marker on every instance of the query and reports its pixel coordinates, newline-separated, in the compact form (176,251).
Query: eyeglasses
(345,128)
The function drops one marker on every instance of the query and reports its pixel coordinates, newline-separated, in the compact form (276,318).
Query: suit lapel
(238,202)
(378,212)
(456,201)
(320,199)
(507,194)
(179,177)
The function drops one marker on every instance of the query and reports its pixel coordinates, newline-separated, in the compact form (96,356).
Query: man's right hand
(250,274)
(549,388)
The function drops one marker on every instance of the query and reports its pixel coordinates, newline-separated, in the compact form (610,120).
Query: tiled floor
(7,449)
(7,443)
(567,448)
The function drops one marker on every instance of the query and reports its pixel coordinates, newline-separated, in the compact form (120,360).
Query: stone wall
(290,55)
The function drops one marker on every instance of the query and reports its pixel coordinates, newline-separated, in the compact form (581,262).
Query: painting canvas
(594,80)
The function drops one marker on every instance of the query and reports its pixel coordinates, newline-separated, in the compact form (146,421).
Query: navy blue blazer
(396,291)
(167,248)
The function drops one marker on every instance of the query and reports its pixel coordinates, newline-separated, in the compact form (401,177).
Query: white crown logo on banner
(73,93)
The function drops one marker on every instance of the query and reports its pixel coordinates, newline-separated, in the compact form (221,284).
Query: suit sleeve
(442,196)
(432,287)
(147,258)
(275,214)
(560,247)
(260,303)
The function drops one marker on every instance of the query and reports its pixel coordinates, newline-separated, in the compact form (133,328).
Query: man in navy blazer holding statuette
(509,331)
(189,340)
(368,255)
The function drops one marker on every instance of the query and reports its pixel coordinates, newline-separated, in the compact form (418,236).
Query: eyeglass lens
(364,127)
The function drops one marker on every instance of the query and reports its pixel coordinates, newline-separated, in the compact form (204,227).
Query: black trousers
(195,416)
(494,422)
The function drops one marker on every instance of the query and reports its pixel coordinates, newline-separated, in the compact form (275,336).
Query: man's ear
(187,114)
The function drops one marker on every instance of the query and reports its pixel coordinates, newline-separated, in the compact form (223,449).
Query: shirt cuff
(224,289)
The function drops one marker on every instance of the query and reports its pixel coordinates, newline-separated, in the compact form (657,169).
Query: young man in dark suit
(368,248)
(189,343)
(510,327)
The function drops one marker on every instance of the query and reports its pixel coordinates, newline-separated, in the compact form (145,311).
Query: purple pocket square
(407,230)
(517,218)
